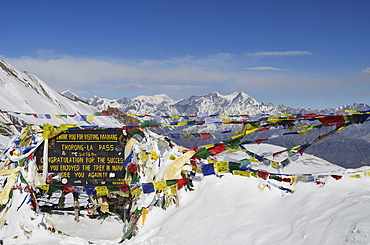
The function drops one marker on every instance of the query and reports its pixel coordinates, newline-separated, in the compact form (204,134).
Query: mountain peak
(69,94)
(155,99)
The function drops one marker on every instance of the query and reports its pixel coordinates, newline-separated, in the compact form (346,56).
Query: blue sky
(299,53)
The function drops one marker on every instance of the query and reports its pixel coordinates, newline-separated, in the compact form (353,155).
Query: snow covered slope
(232,210)
(25,93)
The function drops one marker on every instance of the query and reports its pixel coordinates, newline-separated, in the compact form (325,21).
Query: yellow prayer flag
(144,156)
(262,188)
(274,164)
(222,167)
(251,128)
(181,148)
(101,190)
(351,111)
(172,157)
(90,118)
(104,207)
(45,187)
(48,129)
(253,160)
(154,155)
(304,131)
(367,172)
(229,149)
(186,135)
(273,120)
(10,171)
(144,212)
(182,123)
(237,136)
(241,173)
(212,161)
(355,176)
(173,170)
(4,195)
(136,192)
(292,179)
(160,185)
(209,146)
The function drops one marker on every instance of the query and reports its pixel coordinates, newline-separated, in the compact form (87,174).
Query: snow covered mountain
(236,103)
(213,103)
(25,99)
(347,147)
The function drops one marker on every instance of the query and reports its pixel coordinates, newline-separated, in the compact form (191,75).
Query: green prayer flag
(244,162)
(202,153)
(171,182)
(55,188)
(190,122)
(134,131)
(275,177)
(113,188)
(234,166)
(148,124)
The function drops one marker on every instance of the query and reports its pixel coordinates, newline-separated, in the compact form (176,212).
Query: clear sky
(298,53)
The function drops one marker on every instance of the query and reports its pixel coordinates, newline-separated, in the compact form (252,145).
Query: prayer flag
(148,187)
(204,136)
(90,190)
(160,185)
(202,153)
(208,169)
(101,190)
(222,167)
(217,149)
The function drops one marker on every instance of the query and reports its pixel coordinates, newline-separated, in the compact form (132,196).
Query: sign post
(84,158)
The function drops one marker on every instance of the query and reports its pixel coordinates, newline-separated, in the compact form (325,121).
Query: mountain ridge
(30,99)
(347,147)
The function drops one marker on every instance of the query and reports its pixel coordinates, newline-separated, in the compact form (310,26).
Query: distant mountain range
(347,148)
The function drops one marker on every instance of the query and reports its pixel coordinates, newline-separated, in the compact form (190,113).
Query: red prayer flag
(132,168)
(337,177)
(105,113)
(259,141)
(332,120)
(124,188)
(263,174)
(181,182)
(204,136)
(277,153)
(67,189)
(217,149)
